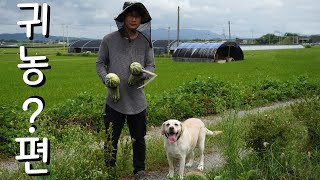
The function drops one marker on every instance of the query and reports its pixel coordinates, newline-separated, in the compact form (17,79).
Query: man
(118,50)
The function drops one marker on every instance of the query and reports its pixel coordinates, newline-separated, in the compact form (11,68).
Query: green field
(75,128)
(71,75)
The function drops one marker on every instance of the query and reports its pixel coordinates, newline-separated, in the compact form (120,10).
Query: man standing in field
(124,101)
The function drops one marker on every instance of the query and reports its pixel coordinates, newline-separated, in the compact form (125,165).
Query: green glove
(112,81)
(136,74)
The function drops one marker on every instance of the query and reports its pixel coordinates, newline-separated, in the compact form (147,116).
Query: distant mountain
(185,34)
(40,37)
(157,34)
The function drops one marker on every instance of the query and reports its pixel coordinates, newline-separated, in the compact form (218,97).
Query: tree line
(287,38)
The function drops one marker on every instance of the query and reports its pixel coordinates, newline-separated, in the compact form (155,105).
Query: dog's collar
(179,136)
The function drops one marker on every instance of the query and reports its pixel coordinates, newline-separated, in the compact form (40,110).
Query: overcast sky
(249,18)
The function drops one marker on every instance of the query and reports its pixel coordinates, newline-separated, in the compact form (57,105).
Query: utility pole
(224,34)
(269,39)
(252,35)
(63,35)
(67,36)
(279,38)
(229,31)
(178,27)
(168,40)
(292,39)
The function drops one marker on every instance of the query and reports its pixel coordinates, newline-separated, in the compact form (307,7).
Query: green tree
(290,38)
(268,39)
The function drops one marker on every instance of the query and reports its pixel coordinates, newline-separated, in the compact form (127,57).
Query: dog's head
(172,129)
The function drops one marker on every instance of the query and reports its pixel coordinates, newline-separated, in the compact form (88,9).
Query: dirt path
(9,164)
(212,160)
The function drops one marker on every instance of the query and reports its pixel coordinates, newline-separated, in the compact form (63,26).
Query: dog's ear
(182,128)
(162,128)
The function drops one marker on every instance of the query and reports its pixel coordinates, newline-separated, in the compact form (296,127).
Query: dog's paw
(200,167)
(189,164)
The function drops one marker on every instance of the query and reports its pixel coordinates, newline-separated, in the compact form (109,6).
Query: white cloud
(94,18)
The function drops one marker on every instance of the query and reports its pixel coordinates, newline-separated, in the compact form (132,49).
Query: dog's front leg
(171,167)
(182,164)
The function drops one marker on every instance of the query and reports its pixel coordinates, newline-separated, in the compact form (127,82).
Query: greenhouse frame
(84,46)
(208,52)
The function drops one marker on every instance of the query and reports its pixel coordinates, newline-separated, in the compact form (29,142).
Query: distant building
(303,39)
(162,46)
(315,39)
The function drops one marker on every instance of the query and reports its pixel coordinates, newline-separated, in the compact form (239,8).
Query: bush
(200,97)
(85,110)
(307,45)
(76,155)
(194,98)
(13,124)
(279,142)
(270,90)
(308,112)
(204,96)
(275,130)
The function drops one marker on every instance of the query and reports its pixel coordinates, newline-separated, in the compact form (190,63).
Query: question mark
(25,107)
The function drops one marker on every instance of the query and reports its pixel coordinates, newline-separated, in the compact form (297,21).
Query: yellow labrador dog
(181,140)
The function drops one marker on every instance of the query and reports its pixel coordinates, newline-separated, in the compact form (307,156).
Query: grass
(75,147)
(77,154)
(277,144)
(71,75)
(68,77)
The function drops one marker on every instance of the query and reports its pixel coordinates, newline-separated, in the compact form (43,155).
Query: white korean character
(35,21)
(32,59)
(42,148)
(33,64)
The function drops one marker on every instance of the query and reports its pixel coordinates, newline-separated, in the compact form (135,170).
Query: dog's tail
(213,133)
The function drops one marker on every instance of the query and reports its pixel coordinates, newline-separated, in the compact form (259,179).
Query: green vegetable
(112,81)
(136,68)
(136,72)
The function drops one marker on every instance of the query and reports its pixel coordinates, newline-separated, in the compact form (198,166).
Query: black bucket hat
(137,6)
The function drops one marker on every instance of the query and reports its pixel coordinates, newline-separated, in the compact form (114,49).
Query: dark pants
(137,128)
